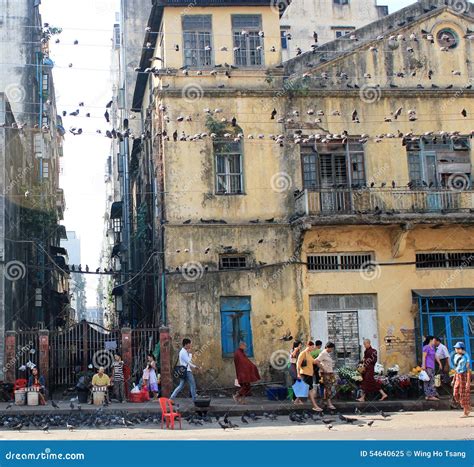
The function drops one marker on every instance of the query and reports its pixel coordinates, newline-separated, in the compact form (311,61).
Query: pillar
(127,357)
(10,362)
(43,358)
(165,361)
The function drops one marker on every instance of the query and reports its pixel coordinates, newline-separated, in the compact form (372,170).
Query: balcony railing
(383,201)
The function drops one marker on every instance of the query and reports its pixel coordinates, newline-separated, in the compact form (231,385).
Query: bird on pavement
(46,429)
(9,406)
(370,423)
(224,426)
(70,427)
(71,405)
(244,420)
(384,415)
(18,427)
(56,406)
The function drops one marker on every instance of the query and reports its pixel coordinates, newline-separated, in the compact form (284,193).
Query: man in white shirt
(185,360)
(442,353)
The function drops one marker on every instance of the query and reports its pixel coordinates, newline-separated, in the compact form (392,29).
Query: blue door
(452,328)
(235,325)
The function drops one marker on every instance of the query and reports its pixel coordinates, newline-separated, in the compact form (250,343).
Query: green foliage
(219,128)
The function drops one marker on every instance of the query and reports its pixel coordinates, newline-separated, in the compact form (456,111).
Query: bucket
(20,397)
(98,397)
(33,397)
(82,396)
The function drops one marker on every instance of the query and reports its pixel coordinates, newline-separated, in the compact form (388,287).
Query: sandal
(318,409)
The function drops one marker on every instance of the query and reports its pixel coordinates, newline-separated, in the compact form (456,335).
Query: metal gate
(73,349)
(27,350)
(144,341)
(343,330)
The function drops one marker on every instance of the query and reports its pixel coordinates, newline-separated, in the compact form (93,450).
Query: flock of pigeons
(101,418)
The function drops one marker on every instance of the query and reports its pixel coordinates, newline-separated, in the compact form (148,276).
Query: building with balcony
(324,197)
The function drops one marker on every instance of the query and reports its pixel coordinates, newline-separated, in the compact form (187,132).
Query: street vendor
(38,381)
(101,380)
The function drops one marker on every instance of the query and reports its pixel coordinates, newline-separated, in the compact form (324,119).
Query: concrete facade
(280,215)
(330,19)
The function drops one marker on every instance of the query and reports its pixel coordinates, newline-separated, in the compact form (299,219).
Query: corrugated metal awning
(443,293)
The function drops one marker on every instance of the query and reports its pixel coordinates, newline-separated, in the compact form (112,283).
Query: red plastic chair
(167,413)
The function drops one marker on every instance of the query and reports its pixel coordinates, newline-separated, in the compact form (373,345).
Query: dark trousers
(244,390)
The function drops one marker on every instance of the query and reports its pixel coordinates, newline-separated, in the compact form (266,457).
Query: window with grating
(339,261)
(446,259)
(342,302)
(232,262)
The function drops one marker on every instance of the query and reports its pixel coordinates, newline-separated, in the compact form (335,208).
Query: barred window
(229,176)
(248,45)
(197,40)
(446,259)
(232,262)
(340,261)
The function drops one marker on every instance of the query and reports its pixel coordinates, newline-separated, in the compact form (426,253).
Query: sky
(89,80)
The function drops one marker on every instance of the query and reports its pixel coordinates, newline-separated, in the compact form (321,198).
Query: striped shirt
(118,371)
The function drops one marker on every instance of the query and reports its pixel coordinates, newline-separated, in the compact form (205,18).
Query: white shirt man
(442,351)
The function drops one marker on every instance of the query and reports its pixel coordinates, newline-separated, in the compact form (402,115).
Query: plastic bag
(378,369)
(300,389)
(437,381)
(135,390)
(423,376)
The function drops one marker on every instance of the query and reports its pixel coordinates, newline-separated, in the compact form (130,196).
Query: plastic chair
(167,413)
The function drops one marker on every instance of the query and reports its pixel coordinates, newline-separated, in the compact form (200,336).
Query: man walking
(118,380)
(185,361)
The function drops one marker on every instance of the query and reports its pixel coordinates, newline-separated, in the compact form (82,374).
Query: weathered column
(165,361)
(10,357)
(43,358)
(127,357)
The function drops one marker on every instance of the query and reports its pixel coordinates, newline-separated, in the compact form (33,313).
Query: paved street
(403,425)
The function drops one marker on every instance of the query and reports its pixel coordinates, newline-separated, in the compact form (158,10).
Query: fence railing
(380,200)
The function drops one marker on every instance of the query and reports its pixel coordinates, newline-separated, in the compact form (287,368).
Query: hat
(459,345)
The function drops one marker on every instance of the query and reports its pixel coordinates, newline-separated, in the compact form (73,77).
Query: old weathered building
(329,197)
(32,202)
(329,19)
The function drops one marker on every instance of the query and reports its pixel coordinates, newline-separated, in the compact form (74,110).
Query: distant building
(94,315)
(78,282)
(330,19)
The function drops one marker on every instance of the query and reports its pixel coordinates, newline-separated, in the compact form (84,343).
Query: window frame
(447,257)
(351,155)
(197,31)
(228,175)
(237,257)
(253,35)
(340,264)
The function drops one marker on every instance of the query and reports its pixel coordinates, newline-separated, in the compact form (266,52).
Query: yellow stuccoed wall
(391,283)
(221,31)
(280,293)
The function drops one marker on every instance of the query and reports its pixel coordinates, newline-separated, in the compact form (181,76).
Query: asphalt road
(400,425)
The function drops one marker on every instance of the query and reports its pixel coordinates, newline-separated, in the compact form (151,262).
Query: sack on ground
(423,376)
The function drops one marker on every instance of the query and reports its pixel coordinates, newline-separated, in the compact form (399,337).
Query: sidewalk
(220,406)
